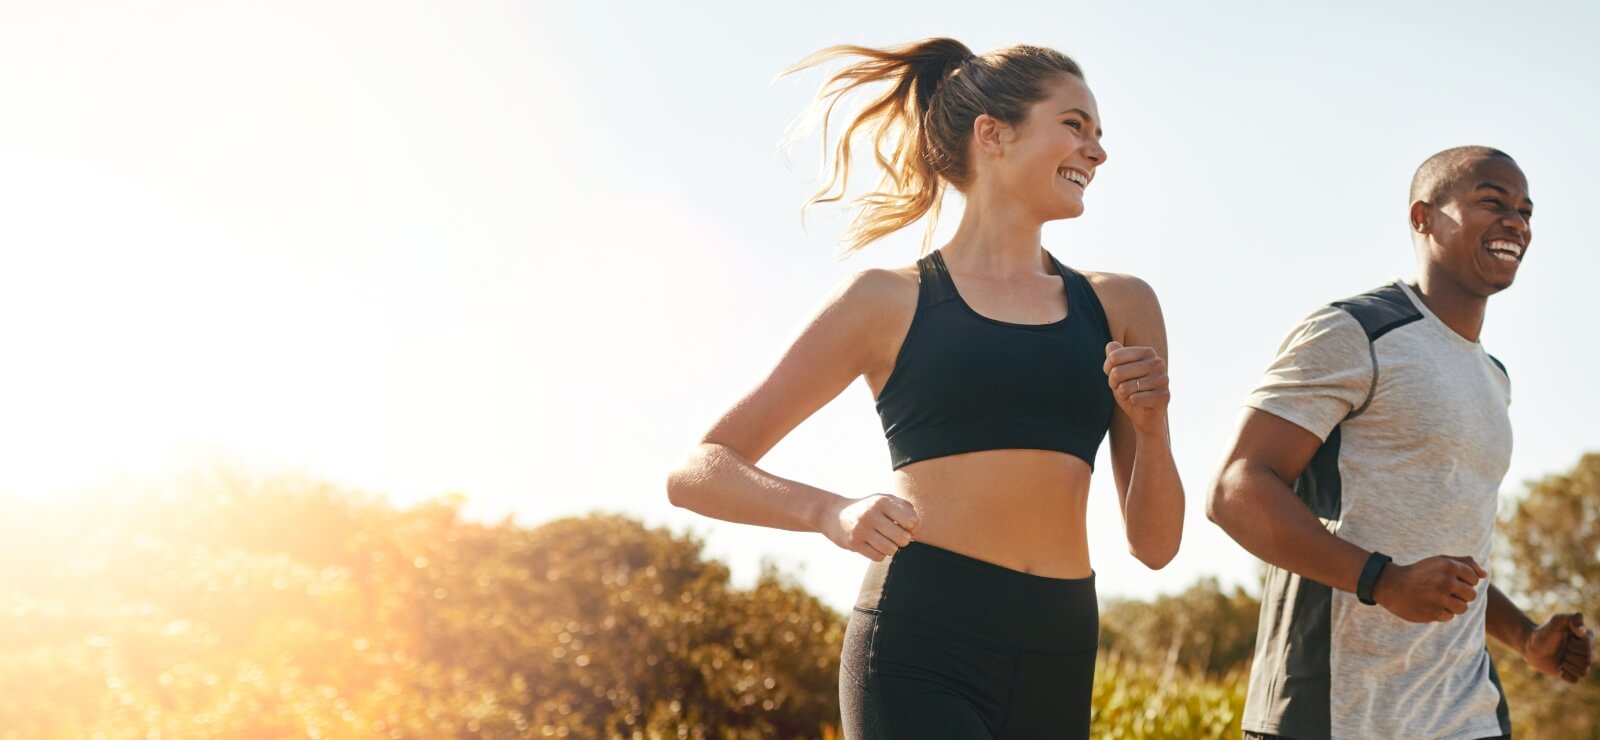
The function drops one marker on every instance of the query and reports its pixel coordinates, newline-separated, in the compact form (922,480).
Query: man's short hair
(1441,172)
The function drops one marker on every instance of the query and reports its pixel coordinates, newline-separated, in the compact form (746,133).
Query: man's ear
(990,134)
(1421,218)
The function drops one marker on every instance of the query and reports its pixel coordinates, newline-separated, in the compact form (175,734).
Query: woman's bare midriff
(1020,509)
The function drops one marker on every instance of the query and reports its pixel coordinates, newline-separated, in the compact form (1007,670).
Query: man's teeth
(1505,251)
(1071,176)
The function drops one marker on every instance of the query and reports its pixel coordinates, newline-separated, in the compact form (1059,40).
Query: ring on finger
(1137,385)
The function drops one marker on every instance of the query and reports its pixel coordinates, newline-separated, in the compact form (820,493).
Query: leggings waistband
(983,602)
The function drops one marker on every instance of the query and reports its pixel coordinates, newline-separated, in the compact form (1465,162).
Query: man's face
(1480,230)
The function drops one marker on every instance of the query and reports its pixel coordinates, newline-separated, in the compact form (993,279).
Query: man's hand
(1561,647)
(1431,590)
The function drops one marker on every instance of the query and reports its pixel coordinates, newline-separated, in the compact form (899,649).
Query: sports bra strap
(966,383)
(936,287)
(1081,296)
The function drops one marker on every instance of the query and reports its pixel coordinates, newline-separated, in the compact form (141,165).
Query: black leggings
(941,645)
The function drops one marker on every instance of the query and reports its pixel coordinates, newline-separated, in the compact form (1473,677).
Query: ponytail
(921,125)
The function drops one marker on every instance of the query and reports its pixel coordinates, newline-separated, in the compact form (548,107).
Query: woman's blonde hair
(919,128)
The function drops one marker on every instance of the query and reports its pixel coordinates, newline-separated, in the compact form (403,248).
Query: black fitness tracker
(1369,576)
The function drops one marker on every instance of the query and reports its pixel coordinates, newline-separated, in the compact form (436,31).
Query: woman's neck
(996,242)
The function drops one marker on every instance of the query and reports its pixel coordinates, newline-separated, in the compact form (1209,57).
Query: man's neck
(1459,309)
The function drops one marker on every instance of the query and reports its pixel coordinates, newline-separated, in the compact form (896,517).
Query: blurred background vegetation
(230,606)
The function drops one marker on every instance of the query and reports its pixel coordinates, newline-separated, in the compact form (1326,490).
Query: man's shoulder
(1380,310)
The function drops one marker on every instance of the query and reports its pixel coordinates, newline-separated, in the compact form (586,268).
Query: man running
(1366,472)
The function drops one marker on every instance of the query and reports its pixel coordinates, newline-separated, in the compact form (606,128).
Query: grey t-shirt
(1416,441)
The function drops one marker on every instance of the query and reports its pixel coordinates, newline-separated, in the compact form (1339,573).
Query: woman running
(997,370)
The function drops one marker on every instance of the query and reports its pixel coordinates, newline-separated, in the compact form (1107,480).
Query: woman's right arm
(843,341)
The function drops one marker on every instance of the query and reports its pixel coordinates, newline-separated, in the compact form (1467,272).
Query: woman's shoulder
(879,289)
(869,309)
(1117,289)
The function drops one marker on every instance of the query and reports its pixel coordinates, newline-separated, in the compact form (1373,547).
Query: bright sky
(529,251)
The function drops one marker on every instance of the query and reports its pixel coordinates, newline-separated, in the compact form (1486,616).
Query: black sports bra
(964,382)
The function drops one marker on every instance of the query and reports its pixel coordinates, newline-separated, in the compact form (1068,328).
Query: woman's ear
(990,134)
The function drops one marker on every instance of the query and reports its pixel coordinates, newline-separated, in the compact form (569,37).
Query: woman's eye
(1075,124)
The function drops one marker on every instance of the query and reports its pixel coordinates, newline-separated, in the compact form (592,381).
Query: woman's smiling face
(1050,158)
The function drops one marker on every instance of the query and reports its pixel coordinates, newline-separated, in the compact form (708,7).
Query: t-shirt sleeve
(1323,371)
(1504,377)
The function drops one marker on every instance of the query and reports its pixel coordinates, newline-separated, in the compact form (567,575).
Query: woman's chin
(1067,210)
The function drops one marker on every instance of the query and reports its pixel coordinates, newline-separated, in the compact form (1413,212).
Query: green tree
(1134,700)
(1203,630)
(228,606)
(1550,539)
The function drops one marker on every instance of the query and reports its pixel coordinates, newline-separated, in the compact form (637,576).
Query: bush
(232,607)
(1133,699)
(240,608)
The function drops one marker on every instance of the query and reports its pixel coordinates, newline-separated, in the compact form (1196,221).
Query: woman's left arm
(1149,491)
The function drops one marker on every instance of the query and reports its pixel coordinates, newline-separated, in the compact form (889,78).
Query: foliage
(225,606)
(1203,630)
(1551,541)
(255,609)
(1134,699)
